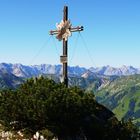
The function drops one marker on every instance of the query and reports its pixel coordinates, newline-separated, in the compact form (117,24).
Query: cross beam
(73,29)
(60,32)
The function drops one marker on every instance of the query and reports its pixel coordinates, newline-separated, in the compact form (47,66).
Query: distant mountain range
(24,71)
(108,70)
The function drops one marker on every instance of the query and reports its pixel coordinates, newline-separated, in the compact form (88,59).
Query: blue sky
(111,33)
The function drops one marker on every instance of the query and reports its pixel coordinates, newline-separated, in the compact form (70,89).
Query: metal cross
(64,30)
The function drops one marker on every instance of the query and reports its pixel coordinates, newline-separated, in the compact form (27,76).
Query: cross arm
(76,29)
(54,32)
(73,29)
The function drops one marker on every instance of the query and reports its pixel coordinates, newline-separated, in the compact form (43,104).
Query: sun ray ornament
(63,32)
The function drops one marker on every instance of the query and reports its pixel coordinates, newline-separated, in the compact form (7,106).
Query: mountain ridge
(27,71)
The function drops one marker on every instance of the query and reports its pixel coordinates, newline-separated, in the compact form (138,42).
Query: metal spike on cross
(63,31)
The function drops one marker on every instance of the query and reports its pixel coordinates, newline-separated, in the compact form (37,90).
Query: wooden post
(65,51)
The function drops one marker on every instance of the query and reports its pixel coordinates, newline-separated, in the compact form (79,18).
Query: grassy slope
(122,96)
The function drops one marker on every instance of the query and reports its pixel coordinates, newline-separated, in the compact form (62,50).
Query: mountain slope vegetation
(41,104)
(122,96)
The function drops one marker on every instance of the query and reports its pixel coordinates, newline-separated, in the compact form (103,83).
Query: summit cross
(63,31)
